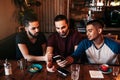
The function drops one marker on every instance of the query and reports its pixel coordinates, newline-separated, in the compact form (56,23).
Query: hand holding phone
(58,57)
(61,61)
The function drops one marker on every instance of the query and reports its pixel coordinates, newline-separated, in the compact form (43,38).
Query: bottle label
(8,69)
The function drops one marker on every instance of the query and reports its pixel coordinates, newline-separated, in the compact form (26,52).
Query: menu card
(96,74)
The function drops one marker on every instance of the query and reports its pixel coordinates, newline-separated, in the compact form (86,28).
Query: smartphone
(58,57)
(63,71)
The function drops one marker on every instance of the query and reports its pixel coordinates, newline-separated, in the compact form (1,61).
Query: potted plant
(23,7)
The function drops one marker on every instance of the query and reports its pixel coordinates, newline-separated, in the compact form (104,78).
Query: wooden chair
(115,37)
(20,28)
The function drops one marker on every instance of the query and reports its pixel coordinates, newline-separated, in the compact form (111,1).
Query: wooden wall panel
(48,10)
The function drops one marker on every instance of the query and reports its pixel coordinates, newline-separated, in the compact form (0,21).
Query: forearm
(44,48)
(49,54)
(35,58)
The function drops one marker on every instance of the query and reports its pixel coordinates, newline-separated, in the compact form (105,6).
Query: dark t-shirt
(64,46)
(33,48)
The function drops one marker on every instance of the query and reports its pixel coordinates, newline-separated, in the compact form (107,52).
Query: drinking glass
(22,63)
(75,69)
(115,71)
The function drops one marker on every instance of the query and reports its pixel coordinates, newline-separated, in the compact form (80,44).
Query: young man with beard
(63,42)
(31,43)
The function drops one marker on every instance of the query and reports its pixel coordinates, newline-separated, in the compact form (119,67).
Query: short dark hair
(96,23)
(29,18)
(61,17)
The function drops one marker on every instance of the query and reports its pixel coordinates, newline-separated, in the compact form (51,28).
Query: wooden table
(44,75)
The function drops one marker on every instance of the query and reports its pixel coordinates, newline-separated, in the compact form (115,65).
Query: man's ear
(100,30)
(26,28)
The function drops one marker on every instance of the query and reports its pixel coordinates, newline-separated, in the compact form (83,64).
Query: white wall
(8,24)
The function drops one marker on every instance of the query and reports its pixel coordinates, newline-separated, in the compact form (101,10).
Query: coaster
(96,74)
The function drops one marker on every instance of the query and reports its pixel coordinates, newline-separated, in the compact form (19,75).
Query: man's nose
(61,30)
(37,30)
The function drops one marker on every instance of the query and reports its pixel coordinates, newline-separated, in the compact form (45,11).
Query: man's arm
(24,50)
(44,48)
(49,53)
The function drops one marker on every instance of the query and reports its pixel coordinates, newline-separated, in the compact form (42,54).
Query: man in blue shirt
(98,49)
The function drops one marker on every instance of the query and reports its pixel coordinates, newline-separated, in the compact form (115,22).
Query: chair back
(115,37)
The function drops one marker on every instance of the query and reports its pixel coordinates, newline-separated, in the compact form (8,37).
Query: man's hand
(62,63)
(48,57)
(50,67)
(65,62)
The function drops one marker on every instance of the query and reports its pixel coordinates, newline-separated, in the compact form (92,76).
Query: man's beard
(65,34)
(33,36)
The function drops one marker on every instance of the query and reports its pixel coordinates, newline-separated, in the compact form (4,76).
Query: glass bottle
(7,68)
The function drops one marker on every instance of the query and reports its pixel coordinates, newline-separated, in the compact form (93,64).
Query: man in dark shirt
(64,41)
(31,43)
(63,46)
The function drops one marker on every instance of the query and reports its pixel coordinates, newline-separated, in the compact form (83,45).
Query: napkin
(96,74)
